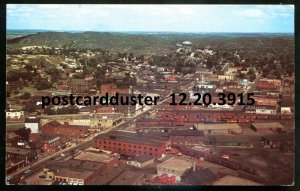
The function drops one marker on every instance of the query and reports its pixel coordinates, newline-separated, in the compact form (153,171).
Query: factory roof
(75,168)
(267,125)
(199,177)
(107,176)
(186,133)
(15,150)
(134,138)
(128,178)
(204,126)
(176,164)
(143,158)
(94,156)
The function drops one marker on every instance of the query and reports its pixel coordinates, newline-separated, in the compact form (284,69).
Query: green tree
(24,133)
(26,95)
(43,84)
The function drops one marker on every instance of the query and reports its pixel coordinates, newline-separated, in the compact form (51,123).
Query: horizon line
(124,31)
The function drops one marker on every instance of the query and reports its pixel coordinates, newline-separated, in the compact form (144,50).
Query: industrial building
(75,131)
(187,137)
(74,171)
(141,161)
(267,127)
(174,167)
(229,141)
(219,128)
(80,170)
(131,143)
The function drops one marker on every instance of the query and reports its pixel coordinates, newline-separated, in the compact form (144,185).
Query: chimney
(66,123)
(194,166)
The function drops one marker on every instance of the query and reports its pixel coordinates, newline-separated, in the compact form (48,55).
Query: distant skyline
(152,18)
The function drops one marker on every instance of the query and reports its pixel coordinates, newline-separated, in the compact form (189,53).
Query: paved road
(37,166)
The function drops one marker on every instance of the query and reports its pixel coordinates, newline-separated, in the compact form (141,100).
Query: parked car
(27,171)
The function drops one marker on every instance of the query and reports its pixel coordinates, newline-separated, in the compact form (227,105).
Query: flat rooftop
(205,126)
(107,176)
(127,178)
(75,168)
(94,156)
(15,150)
(82,116)
(176,164)
(267,125)
(134,138)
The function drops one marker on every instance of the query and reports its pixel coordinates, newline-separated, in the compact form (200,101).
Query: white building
(13,114)
(33,124)
(265,110)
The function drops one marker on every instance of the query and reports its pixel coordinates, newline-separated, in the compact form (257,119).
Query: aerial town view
(150,95)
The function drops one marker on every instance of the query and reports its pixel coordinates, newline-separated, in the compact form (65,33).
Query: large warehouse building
(218,128)
(133,144)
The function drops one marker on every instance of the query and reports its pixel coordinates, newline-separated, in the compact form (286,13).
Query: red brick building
(48,142)
(81,85)
(268,84)
(200,116)
(103,109)
(77,172)
(133,144)
(74,131)
(264,100)
(186,137)
(112,89)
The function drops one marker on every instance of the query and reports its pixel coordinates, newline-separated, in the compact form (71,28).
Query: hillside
(160,43)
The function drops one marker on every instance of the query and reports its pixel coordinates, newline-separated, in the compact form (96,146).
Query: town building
(284,142)
(132,144)
(111,89)
(14,86)
(14,153)
(200,177)
(74,131)
(219,128)
(265,100)
(107,176)
(267,127)
(81,85)
(32,123)
(269,84)
(266,110)
(228,141)
(48,142)
(287,104)
(186,137)
(141,161)
(100,120)
(129,177)
(96,156)
(14,114)
(74,171)
(11,138)
(174,167)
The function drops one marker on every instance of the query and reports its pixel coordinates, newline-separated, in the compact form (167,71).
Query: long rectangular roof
(134,138)
(267,125)
(75,168)
(205,126)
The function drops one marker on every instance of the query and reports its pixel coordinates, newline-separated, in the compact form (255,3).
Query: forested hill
(159,43)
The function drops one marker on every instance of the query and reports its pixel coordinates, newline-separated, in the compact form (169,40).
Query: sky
(165,18)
